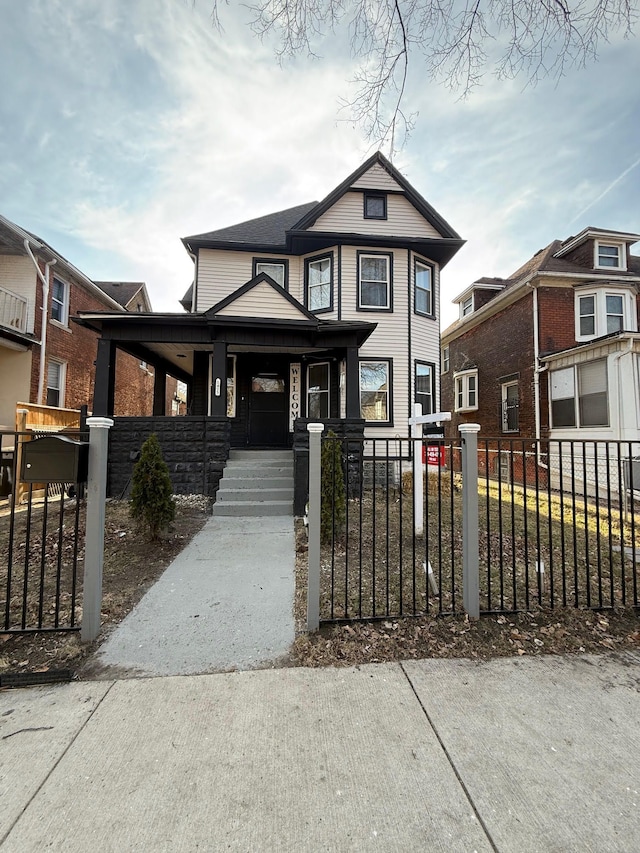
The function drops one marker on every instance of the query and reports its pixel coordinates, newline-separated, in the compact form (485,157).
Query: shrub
(152,504)
(333,506)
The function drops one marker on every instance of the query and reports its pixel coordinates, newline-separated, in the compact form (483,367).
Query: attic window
(609,255)
(375,206)
(466,307)
(278,270)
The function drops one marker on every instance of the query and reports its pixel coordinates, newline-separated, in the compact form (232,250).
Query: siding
(425,331)
(390,338)
(221,272)
(262,301)
(18,275)
(377,178)
(347,216)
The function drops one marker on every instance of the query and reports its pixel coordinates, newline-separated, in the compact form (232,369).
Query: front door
(268,410)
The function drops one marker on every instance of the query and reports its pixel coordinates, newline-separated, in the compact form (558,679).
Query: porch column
(200,383)
(159,392)
(219,379)
(353,383)
(104,387)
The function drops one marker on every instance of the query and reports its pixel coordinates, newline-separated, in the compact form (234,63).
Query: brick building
(553,351)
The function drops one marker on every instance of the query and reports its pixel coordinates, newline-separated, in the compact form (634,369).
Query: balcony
(13,311)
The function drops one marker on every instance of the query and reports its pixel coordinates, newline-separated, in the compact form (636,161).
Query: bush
(152,504)
(333,507)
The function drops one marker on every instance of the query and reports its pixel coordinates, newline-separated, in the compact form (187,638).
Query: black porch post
(219,391)
(353,383)
(104,388)
(159,391)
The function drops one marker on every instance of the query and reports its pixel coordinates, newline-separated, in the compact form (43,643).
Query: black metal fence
(558,525)
(42,528)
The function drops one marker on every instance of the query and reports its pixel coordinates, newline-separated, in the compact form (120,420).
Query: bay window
(374,281)
(375,386)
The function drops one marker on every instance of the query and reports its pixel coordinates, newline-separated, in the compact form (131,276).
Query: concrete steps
(256,483)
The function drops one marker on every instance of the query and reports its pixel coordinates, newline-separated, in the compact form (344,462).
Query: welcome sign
(294,393)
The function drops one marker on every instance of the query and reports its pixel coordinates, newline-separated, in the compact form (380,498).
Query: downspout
(44,278)
(537,370)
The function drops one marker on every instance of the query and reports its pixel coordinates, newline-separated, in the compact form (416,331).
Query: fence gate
(42,532)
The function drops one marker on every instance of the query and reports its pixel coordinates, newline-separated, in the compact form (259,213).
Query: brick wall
(556,307)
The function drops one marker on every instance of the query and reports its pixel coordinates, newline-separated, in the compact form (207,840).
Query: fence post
(94,538)
(313,579)
(418,482)
(19,488)
(470,546)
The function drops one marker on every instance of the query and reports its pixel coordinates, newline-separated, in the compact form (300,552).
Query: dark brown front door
(268,410)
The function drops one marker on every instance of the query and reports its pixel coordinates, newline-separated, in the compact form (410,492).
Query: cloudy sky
(127,125)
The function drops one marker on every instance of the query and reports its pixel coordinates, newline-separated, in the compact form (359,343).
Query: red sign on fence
(434,454)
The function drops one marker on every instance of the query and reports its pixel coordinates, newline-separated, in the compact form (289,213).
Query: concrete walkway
(535,755)
(226,602)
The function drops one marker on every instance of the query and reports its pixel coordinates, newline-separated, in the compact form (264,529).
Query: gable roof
(275,303)
(125,291)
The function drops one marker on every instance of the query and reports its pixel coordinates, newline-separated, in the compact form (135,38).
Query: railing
(557,526)
(13,310)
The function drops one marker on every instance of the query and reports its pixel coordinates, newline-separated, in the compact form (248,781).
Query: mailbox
(55,459)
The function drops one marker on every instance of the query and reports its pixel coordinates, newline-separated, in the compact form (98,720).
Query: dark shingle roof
(122,291)
(267,230)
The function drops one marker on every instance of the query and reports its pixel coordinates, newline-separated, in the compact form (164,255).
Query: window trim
(62,378)
(283,262)
(445,360)
(326,364)
(432,313)
(307,264)
(599,294)
(609,244)
(504,424)
(374,195)
(389,257)
(463,377)
(64,321)
(234,384)
(389,363)
(464,304)
(421,363)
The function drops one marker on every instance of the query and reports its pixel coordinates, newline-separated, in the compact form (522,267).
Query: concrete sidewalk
(513,755)
(225,602)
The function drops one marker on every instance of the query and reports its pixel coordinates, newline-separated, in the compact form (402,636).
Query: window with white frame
(231,386)
(277,270)
(319,280)
(466,306)
(423,291)
(374,282)
(610,255)
(445,359)
(604,311)
(375,386)
(318,390)
(60,301)
(425,386)
(55,383)
(466,390)
(510,406)
(579,396)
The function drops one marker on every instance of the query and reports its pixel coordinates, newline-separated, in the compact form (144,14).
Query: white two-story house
(325,311)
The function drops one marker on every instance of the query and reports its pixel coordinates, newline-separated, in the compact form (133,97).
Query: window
(275,269)
(466,307)
(374,282)
(466,391)
(319,284)
(423,294)
(604,311)
(375,206)
(318,391)
(231,386)
(60,301)
(55,383)
(374,391)
(592,409)
(610,255)
(425,386)
(510,407)
(445,359)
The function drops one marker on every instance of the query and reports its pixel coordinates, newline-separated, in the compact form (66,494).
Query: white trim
(599,294)
(463,377)
(610,244)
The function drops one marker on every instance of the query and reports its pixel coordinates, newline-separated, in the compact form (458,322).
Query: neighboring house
(325,311)
(553,351)
(52,362)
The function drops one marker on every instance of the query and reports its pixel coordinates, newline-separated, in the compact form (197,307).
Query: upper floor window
(466,307)
(589,407)
(319,284)
(374,282)
(423,292)
(278,270)
(425,386)
(318,390)
(610,255)
(375,206)
(55,383)
(375,388)
(603,312)
(466,390)
(445,359)
(60,301)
